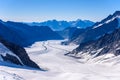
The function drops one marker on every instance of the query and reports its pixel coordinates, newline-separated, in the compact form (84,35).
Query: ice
(61,67)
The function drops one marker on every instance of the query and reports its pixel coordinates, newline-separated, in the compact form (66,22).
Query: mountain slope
(14,54)
(108,45)
(107,25)
(68,32)
(24,35)
(60,67)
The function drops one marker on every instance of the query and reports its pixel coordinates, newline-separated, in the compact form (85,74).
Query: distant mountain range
(61,25)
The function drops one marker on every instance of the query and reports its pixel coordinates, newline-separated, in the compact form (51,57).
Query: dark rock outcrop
(19,52)
(12,59)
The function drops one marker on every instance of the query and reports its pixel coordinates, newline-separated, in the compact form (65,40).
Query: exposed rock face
(21,57)
(11,59)
(108,44)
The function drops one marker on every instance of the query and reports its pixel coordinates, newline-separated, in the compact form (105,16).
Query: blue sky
(42,10)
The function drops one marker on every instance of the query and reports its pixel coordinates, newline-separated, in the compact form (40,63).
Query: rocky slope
(109,44)
(12,53)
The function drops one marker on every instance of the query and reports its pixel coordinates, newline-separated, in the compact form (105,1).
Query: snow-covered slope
(59,66)
(107,48)
(4,52)
(106,22)
(14,54)
(9,76)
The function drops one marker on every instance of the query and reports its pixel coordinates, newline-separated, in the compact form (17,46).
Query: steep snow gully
(49,55)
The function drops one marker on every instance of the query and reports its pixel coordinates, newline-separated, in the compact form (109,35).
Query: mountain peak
(117,13)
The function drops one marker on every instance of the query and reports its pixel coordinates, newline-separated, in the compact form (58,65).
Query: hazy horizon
(43,10)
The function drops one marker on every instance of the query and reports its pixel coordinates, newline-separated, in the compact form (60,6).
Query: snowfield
(8,76)
(49,55)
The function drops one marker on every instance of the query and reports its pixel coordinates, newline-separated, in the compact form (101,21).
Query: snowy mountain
(12,53)
(105,48)
(25,35)
(61,25)
(81,23)
(107,25)
(22,44)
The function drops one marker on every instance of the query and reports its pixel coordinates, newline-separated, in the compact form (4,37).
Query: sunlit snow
(49,55)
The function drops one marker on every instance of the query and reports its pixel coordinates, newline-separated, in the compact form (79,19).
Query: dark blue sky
(41,10)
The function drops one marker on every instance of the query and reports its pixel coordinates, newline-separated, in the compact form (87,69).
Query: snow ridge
(106,22)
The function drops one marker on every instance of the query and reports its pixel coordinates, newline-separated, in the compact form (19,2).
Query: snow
(78,27)
(106,22)
(97,26)
(9,76)
(60,67)
(109,55)
(4,51)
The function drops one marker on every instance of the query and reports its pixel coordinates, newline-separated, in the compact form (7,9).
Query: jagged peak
(117,13)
